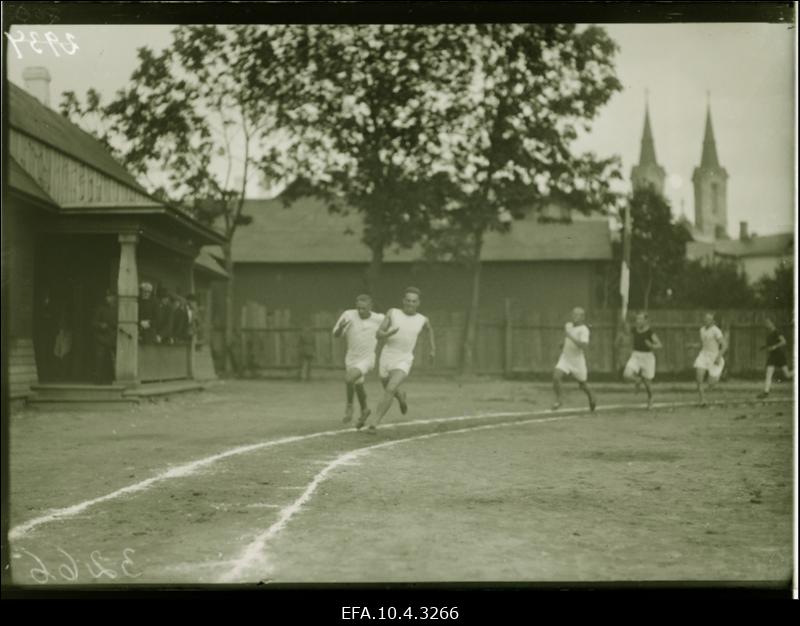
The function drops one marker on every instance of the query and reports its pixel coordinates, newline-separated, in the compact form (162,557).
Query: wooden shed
(77,224)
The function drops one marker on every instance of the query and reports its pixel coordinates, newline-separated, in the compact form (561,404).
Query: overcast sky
(749,70)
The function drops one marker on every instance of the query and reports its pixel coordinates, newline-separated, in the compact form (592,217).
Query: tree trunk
(229,310)
(373,273)
(471,332)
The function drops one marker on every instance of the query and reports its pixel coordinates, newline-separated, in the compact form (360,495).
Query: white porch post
(127,360)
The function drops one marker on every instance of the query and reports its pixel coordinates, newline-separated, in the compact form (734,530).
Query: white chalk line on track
(253,555)
(188,469)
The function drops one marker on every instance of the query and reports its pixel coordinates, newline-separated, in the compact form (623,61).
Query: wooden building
(78,224)
(305,260)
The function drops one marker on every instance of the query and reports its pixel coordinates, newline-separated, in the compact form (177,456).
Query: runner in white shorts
(641,366)
(711,359)
(397,338)
(359,327)
(573,360)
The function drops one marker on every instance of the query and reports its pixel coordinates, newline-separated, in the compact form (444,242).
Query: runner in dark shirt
(641,367)
(776,356)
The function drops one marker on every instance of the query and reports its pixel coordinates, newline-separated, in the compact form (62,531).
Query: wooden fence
(520,342)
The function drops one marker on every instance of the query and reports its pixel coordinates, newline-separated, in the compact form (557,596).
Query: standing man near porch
(359,327)
(397,338)
(148,313)
(104,331)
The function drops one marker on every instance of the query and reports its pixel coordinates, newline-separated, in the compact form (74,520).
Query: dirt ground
(503,491)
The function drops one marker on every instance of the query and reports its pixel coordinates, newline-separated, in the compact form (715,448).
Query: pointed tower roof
(647,156)
(709,158)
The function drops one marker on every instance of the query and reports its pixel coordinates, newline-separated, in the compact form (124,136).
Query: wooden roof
(27,115)
(307,233)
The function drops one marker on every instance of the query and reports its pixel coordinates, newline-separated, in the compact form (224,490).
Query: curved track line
(187,469)
(253,554)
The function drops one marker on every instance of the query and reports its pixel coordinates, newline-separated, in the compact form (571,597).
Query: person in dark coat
(180,319)
(164,319)
(46,332)
(104,332)
(148,313)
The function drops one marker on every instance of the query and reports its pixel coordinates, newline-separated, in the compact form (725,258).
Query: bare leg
(649,391)
(585,388)
(362,396)
(768,378)
(700,375)
(558,376)
(350,377)
(391,385)
(399,394)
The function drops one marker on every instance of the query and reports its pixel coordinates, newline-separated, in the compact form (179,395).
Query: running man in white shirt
(359,327)
(641,367)
(573,359)
(397,338)
(711,358)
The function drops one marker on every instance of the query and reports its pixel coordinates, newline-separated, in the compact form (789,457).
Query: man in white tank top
(711,359)
(572,361)
(359,327)
(397,338)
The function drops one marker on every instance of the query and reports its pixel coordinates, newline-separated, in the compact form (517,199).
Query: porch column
(127,363)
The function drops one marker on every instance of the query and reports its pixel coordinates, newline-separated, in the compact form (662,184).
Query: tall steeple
(710,189)
(709,157)
(648,173)
(647,154)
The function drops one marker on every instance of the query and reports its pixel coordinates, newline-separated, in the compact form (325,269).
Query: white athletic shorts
(391,362)
(705,361)
(574,367)
(643,363)
(364,364)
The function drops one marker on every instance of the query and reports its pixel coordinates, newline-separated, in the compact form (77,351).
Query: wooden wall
(66,180)
(526,342)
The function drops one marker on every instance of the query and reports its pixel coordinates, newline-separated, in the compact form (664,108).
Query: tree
(361,109)
(193,125)
(658,248)
(717,285)
(777,291)
(508,148)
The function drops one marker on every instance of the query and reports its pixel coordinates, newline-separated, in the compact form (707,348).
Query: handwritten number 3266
(69,570)
(36,43)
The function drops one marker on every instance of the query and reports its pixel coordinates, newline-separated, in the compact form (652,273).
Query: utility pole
(624,284)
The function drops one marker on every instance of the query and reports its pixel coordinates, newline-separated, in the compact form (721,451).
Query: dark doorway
(73,273)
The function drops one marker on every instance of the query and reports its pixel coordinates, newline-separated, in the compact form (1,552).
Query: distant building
(755,256)
(305,260)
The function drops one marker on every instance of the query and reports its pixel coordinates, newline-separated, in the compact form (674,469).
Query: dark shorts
(776,358)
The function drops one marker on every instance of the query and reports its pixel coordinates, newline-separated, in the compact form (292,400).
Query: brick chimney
(743,234)
(37,83)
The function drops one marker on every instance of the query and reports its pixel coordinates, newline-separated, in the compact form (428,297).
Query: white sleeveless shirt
(402,343)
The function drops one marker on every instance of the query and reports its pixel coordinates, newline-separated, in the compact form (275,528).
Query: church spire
(647,155)
(648,173)
(709,158)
